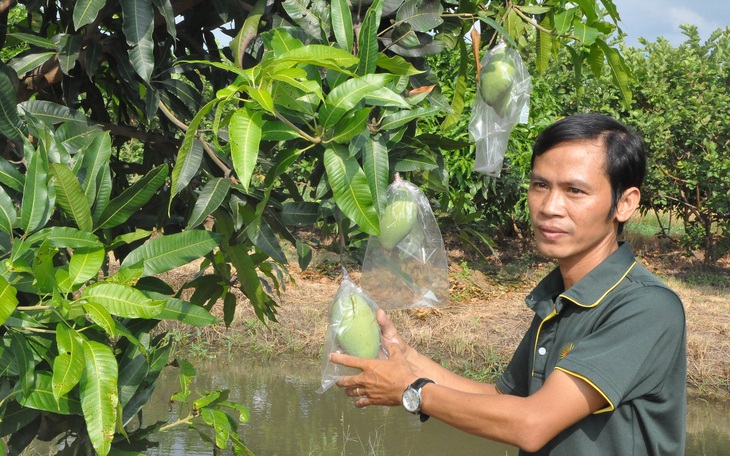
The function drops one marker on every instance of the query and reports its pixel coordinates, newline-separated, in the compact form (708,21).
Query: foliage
(128,133)
(689,139)
(681,107)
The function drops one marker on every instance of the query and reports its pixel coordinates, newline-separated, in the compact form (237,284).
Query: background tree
(133,144)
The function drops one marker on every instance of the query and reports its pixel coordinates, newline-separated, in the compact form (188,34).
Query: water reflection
(289,419)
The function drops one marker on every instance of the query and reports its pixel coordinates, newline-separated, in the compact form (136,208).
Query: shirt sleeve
(633,346)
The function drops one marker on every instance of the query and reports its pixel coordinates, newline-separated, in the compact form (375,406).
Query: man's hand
(381,382)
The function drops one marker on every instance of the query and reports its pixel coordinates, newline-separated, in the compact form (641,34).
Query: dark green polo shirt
(623,331)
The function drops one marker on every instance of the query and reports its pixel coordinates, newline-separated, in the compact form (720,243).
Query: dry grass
(485,321)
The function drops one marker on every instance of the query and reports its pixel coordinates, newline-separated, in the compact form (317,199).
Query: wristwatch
(412,397)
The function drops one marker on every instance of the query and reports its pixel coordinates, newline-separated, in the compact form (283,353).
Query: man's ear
(628,204)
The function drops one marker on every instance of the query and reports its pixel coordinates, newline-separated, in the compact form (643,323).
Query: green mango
(496,80)
(397,221)
(358,332)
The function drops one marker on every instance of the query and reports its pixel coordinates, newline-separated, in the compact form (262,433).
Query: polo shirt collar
(591,289)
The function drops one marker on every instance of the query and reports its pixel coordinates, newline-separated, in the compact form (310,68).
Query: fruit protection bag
(503,100)
(406,266)
(353,329)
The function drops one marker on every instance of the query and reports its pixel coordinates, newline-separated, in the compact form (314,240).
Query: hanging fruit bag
(406,267)
(503,100)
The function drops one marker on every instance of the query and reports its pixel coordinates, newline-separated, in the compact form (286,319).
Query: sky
(653,18)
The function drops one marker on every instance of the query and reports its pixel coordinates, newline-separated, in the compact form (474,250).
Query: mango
(496,80)
(397,221)
(358,332)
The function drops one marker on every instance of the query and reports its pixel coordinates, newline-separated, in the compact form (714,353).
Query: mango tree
(133,142)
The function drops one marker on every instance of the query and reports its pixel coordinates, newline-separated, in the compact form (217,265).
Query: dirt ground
(477,332)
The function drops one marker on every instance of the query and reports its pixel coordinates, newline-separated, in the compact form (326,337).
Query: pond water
(288,418)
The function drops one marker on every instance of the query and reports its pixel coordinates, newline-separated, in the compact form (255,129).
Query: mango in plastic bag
(397,220)
(358,332)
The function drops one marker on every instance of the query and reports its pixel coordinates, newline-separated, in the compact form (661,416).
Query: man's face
(569,199)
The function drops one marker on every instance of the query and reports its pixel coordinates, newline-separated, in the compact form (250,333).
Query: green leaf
(346,96)
(401,118)
(99,397)
(132,372)
(342,23)
(186,166)
(183,311)
(68,52)
(296,77)
(8,300)
(123,301)
(66,237)
(85,264)
(34,209)
(589,8)
(143,58)
(311,16)
(250,282)
(42,397)
(498,27)
(222,427)
(564,20)
(421,15)
(619,71)
(368,39)
(9,121)
(264,238)
(397,65)
(300,213)
(85,11)
(171,251)
(544,46)
(51,113)
(351,189)
(43,270)
(138,17)
(10,176)
(245,133)
(350,126)
(304,254)
(95,160)
(70,196)
(24,359)
(29,61)
(376,165)
(68,366)
(99,315)
(460,89)
(166,10)
(534,9)
(211,197)
(585,33)
(34,40)
(317,54)
(133,198)
(7,213)
(247,32)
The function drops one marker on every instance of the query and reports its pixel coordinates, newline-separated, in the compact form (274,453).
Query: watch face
(411,400)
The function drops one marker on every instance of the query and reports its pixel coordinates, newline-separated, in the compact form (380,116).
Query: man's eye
(575,190)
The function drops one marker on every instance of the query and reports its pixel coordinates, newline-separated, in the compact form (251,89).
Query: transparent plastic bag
(406,266)
(503,100)
(353,329)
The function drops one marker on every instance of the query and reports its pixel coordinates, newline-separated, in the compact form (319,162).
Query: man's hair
(625,156)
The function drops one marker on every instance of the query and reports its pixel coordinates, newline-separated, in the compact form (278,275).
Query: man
(602,368)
